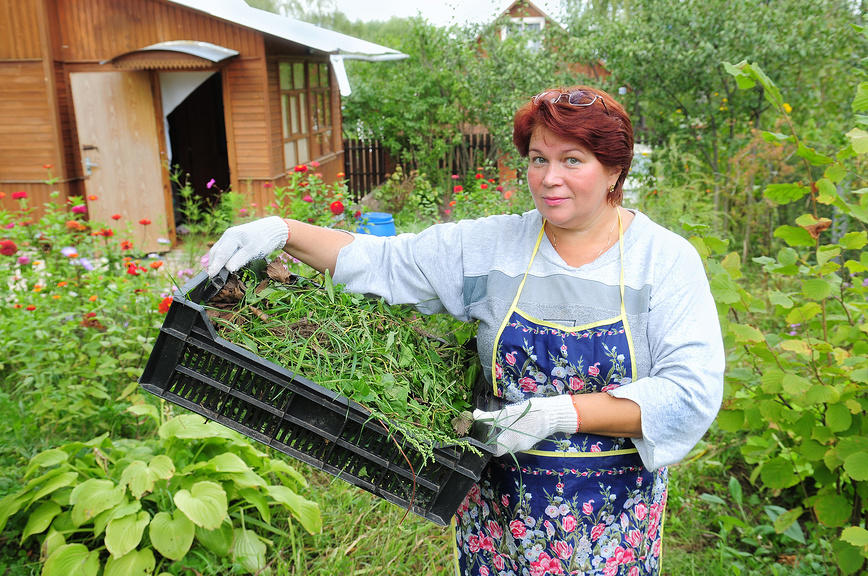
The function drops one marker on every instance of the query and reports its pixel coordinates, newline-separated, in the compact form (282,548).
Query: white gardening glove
(241,244)
(519,426)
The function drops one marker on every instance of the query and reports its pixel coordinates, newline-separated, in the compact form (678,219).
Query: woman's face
(568,184)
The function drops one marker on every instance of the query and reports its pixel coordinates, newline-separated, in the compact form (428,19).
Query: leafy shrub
(147,503)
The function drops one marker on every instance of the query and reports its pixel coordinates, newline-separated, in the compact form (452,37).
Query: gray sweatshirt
(472,269)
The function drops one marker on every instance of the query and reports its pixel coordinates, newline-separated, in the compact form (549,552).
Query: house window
(305,102)
(530,26)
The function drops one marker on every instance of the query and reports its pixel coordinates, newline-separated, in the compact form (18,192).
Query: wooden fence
(367,164)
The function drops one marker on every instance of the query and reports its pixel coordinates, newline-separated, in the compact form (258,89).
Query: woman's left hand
(519,427)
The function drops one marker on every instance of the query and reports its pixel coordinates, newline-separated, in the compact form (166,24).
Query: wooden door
(119,140)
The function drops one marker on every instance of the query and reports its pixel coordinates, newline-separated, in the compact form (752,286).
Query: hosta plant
(133,507)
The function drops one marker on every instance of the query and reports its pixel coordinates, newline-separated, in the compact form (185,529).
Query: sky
(437,12)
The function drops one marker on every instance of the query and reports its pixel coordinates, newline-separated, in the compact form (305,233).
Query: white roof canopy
(321,39)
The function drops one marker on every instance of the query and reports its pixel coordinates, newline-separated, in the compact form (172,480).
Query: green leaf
(794,235)
(172,534)
(40,519)
(218,541)
(192,426)
(735,490)
(53,482)
(72,560)
(205,504)
(848,557)
(281,467)
(816,288)
(145,410)
(821,394)
(826,191)
(44,459)
(227,462)
(801,314)
(860,101)
(778,473)
(137,476)
(855,535)
(53,540)
(92,497)
(838,417)
(731,420)
(785,523)
(784,193)
(812,156)
(330,287)
(742,79)
(795,385)
(832,509)
(858,140)
(780,299)
(826,253)
(776,137)
(305,511)
(744,333)
(161,467)
(248,550)
(136,563)
(856,465)
(102,519)
(854,240)
(259,501)
(124,534)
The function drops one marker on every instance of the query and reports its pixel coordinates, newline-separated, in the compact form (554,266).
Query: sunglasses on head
(574,98)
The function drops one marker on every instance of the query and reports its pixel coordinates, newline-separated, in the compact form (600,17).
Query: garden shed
(105,96)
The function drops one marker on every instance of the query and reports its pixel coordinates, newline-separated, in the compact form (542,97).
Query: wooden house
(106,95)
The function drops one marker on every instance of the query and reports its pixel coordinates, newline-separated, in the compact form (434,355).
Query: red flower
(132,269)
(8,247)
(458,188)
(483,186)
(357,214)
(268,185)
(337,207)
(340,175)
(452,203)
(517,528)
(90,314)
(48,166)
(31,307)
(144,222)
(301,168)
(116,216)
(479,176)
(2,195)
(164,305)
(499,188)
(107,232)
(491,180)
(19,195)
(126,245)
(156,264)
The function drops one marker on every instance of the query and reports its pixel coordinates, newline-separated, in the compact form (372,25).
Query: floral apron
(575,504)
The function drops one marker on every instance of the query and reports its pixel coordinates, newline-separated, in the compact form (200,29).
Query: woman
(597,332)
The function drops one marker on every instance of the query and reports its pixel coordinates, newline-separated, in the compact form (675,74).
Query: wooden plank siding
(19,30)
(97,30)
(26,132)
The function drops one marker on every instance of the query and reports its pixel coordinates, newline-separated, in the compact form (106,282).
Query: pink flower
(504,499)
(597,531)
(498,370)
(576,383)
(593,370)
(518,529)
(569,523)
(314,163)
(455,176)
(8,247)
(483,571)
(596,447)
(486,543)
(473,544)
(510,358)
(499,562)
(494,529)
(210,183)
(79,209)
(527,384)
(634,571)
(611,567)
(640,510)
(19,195)
(633,538)
(563,549)
(588,507)
(23,260)
(307,198)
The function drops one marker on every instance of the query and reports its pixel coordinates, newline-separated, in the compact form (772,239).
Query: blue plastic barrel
(377,224)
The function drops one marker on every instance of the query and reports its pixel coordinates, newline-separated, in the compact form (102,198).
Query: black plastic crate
(192,367)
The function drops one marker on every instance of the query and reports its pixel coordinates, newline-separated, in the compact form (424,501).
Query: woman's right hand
(241,244)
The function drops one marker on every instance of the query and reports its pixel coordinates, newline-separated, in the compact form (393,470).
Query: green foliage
(308,199)
(798,343)
(146,503)
(411,199)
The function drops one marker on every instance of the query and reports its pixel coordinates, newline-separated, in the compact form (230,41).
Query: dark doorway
(197,135)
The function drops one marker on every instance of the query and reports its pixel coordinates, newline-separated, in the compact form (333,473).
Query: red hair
(604,130)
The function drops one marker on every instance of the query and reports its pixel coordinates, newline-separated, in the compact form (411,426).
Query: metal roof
(304,33)
(204,50)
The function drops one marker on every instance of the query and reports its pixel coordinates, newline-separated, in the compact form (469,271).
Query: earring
(612,189)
